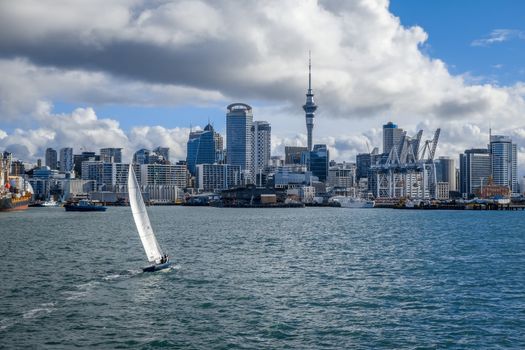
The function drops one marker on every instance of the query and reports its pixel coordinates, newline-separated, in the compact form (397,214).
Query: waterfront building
(309,107)
(66,160)
(217,177)
(319,160)
(446,171)
(261,149)
(111,155)
(291,176)
(164,174)
(442,190)
(504,162)
(392,136)
(474,168)
(239,121)
(342,175)
(201,148)
(219,147)
(51,158)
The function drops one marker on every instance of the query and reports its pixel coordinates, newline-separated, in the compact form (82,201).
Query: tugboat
(84,205)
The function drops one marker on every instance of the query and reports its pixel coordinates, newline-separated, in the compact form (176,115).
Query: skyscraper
(309,107)
(239,121)
(474,169)
(52,159)
(319,160)
(292,154)
(66,160)
(261,146)
(164,152)
(200,148)
(141,156)
(391,136)
(446,171)
(504,162)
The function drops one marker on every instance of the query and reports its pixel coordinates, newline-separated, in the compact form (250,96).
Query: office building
(164,174)
(309,108)
(217,177)
(79,158)
(446,171)
(392,136)
(66,160)
(261,147)
(342,175)
(141,156)
(319,160)
(474,168)
(163,152)
(363,163)
(293,154)
(239,121)
(111,155)
(504,162)
(52,159)
(200,148)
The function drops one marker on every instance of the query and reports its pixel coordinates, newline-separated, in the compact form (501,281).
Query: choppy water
(256,279)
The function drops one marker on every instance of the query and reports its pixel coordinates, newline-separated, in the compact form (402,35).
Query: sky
(138,74)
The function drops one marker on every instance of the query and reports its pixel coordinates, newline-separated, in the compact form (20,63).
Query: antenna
(309,71)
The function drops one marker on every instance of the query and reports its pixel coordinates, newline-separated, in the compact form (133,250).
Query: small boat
(84,205)
(159,260)
(353,202)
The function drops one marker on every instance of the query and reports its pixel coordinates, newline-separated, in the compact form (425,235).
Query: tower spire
(309,107)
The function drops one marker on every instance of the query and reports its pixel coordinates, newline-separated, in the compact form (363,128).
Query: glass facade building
(474,168)
(391,136)
(504,162)
(319,162)
(239,121)
(201,148)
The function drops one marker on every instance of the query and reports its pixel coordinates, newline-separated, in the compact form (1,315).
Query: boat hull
(10,204)
(87,208)
(157,267)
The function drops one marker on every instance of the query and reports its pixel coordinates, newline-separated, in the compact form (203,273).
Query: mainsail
(151,246)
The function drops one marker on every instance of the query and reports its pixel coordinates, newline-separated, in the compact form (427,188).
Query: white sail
(151,246)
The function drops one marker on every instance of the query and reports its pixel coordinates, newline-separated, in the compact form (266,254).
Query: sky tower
(310,106)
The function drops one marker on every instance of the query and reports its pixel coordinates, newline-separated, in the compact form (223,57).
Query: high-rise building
(319,160)
(391,136)
(66,160)
(474,168)
(51,158)
(239,121)
(309,107)
(363,163)
(141,156)
(504,162)
(293,154)
(164,174)
(219,147)
(200,148)
(446,171)
(79,158)
(261,147)
(111,155)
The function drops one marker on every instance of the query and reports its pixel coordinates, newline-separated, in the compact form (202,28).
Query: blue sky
(453,26)
(139,74)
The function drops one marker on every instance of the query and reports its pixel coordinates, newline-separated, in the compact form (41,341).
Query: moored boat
(353,202)
(84,205)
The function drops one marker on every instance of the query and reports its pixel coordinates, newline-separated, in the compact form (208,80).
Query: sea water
(306,278)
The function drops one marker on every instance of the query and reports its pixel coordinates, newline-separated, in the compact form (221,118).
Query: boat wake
(44,309)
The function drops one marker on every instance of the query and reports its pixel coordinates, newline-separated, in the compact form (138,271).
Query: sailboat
(158,260)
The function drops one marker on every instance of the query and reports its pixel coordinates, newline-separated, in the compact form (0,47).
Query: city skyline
(385,69)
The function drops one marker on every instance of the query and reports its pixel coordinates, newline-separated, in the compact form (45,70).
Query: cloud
(84,131)
(499,36)
(367,69)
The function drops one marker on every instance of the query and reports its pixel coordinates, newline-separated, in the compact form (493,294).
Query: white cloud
(499,36)
(367,69)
